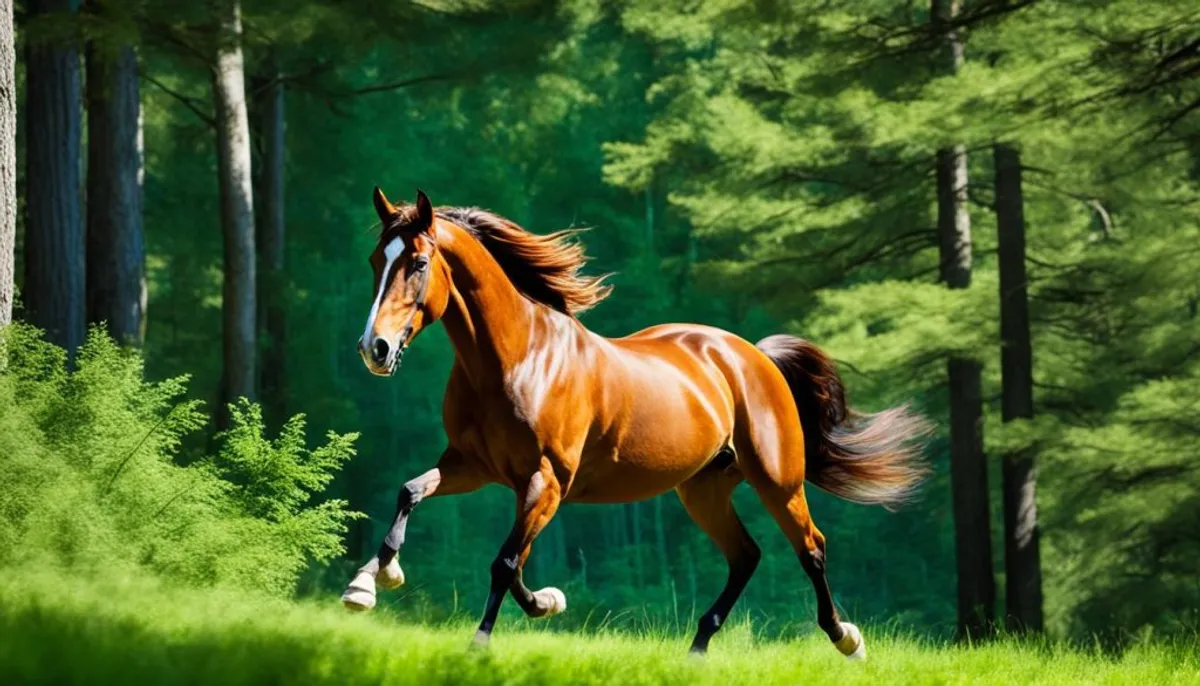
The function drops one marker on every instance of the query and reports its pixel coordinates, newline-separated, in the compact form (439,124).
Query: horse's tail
(868,459)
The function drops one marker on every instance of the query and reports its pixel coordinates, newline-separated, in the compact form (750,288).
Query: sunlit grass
(125,632)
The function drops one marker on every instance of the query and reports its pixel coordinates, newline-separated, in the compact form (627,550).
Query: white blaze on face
(391,253)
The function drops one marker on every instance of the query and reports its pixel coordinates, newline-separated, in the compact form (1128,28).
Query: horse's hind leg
(790,509)
(707,496)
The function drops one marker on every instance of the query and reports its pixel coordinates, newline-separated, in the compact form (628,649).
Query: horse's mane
(543,267)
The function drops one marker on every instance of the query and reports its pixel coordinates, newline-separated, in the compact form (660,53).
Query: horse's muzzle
(381,357)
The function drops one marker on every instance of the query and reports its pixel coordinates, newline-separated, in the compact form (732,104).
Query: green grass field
(119,632)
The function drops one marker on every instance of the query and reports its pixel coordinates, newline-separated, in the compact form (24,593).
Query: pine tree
(237,206)
(8,160)
(115,264)
(968,463)
(272,287)
(53,291)
(1022,560)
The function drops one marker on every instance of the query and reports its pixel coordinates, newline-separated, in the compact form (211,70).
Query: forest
(986,209)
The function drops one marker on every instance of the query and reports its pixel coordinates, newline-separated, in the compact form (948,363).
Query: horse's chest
(488,427)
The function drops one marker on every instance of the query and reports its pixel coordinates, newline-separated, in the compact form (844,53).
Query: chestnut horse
(556,413)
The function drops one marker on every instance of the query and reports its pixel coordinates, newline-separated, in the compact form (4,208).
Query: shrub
(90,481)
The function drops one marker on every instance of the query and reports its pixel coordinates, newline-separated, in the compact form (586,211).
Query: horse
(538,403)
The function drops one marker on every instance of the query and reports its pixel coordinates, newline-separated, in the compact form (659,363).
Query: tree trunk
(237,208)
(8,160)
(53,292)
(1023,570)
(968,463)
(116,273)
(271,259)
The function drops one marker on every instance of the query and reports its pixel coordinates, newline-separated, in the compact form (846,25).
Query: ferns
(90,478)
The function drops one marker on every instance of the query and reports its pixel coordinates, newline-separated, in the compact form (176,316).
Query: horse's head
(412,282)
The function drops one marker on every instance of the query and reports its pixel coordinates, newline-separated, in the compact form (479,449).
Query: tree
(272,288)
(53,290)
(237,206)
(116,281)
(968,462)
(1022,558)
(8,160)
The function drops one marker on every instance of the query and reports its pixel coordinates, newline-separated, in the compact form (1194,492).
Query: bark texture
(116,273)
(8,160)
(237,208)
(1022,558)
(53,291)
(968,463)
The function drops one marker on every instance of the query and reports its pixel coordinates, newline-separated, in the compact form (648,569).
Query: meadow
(58,630)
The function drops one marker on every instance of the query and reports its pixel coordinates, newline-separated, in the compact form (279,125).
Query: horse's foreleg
(450,477)
(547,602)
(537,503)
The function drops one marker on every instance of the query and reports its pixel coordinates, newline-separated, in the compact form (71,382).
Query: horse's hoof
(552,599)
(360,594)
(480,642)
(390,577)
(851,644)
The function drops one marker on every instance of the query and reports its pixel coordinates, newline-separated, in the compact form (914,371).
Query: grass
(53,632)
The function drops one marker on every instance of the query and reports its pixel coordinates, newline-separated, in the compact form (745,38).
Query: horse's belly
(638,470)
(667,430)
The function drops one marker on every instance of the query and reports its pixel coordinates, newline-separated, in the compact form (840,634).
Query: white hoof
(390,577)
(360,594)
(552,599)
(851,643)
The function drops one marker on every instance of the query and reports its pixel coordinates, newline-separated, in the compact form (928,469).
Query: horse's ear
(424,211)
(383,208)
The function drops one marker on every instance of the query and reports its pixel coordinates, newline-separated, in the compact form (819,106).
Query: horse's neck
(488,320)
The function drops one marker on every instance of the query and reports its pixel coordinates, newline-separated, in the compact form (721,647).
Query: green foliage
(92,482)
(276,479)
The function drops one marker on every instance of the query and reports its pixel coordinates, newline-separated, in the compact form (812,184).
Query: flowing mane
(543,267)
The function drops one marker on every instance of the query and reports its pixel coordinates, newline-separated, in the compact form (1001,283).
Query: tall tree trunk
(116,273)
(1022,559)
(54,244)
(237,208)
(8,160)
(968,463)
(271,260)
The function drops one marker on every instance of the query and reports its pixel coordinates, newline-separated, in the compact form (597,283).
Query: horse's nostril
(379,350)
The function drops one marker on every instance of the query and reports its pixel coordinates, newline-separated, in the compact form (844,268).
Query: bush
(90,481)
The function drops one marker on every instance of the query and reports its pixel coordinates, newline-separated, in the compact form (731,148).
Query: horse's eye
(421,263)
